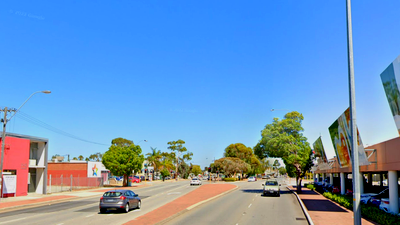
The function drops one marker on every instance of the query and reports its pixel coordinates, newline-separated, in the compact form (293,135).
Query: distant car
(272,187)
(122,200)
(134,179)
(252,179)
(195,181)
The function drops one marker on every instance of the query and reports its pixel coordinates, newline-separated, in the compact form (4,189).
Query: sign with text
(9,184)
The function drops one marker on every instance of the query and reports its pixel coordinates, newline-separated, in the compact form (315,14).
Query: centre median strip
(200,195)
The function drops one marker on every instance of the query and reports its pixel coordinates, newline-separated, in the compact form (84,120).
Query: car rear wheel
(103,210)
(126,209)
(139,204)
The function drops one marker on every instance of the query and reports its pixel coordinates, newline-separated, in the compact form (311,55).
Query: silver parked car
(123,200)
(272,187)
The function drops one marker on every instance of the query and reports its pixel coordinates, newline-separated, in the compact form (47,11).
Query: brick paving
(203,193)
(324,211)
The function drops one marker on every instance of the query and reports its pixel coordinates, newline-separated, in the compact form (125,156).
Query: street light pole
(352,98)
(3,136)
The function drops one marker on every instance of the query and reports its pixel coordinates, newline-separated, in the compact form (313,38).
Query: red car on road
(134,179)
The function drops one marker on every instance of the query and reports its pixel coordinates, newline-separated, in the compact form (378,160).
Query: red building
(25,162)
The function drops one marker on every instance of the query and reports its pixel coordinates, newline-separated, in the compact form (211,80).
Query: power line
(42,124)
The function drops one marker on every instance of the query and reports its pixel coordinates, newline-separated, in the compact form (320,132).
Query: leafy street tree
(122,158)
(276,164)
(284,138)
(240,151)
(246,154)
(80,157)
(282,170)
(196,170)
(154,159)
(184,170)
(164,173)
(96,157)
(74,158)
(178,149)
(87,159)
(230,166)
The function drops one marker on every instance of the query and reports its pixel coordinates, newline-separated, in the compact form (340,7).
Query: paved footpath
(324,211)
(184,203)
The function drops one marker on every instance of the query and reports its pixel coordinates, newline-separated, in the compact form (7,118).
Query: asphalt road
(245,205)
(86,210)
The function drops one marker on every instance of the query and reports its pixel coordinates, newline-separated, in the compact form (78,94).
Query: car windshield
(112,194)
(271,183)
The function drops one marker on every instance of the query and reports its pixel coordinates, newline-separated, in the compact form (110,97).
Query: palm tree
(154,158)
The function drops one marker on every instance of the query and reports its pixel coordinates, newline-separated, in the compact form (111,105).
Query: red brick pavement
(205,192)
(324,211)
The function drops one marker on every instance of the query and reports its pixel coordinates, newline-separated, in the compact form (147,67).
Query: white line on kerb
(90,215)
(249,205)
(10,221)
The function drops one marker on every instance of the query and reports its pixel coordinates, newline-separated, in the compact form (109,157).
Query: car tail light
(101,199)
(122,197)
(385,201)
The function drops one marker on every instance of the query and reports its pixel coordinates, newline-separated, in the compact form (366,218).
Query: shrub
(230,179)
(310,186)
(369,212)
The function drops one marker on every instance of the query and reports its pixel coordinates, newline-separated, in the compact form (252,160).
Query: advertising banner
(319,150)
(340,134)
(320,153)
(390,80)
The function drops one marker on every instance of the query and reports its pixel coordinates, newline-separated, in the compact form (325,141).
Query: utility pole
(3,141)
(352,98)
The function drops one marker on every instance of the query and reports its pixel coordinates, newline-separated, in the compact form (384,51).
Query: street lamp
(3,136)
(141,141)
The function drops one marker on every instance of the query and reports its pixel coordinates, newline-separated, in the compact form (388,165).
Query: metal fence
(69,183)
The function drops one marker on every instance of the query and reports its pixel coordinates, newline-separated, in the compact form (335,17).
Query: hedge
(230,179)
(369,212)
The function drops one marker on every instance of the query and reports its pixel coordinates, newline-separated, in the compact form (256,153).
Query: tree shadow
(322,205)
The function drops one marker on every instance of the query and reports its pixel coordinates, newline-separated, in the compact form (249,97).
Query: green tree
(164,173)
(74,158)
(240,151)
(122,158)
(96,157)
(284,138)
(282,170)
(276,164)
(230,166)
(178,149)
(80,157)
(196,170)
(154,159)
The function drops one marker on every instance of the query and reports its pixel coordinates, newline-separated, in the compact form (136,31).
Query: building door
(32,180)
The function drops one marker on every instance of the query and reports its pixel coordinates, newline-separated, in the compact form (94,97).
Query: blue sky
(206,72)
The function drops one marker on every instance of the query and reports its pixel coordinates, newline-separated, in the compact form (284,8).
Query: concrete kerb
(194,206)
(303,207)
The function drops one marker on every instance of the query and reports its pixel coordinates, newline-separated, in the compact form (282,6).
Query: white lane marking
(90,215)
(10,221)
(60,224)
(249,205)
(174,193)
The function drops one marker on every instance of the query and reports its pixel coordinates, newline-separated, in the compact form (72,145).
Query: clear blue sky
(206,72)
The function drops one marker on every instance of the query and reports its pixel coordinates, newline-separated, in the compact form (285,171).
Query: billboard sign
(390,80)
(320,153)
(319,150)
(340,134)
(94,169)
